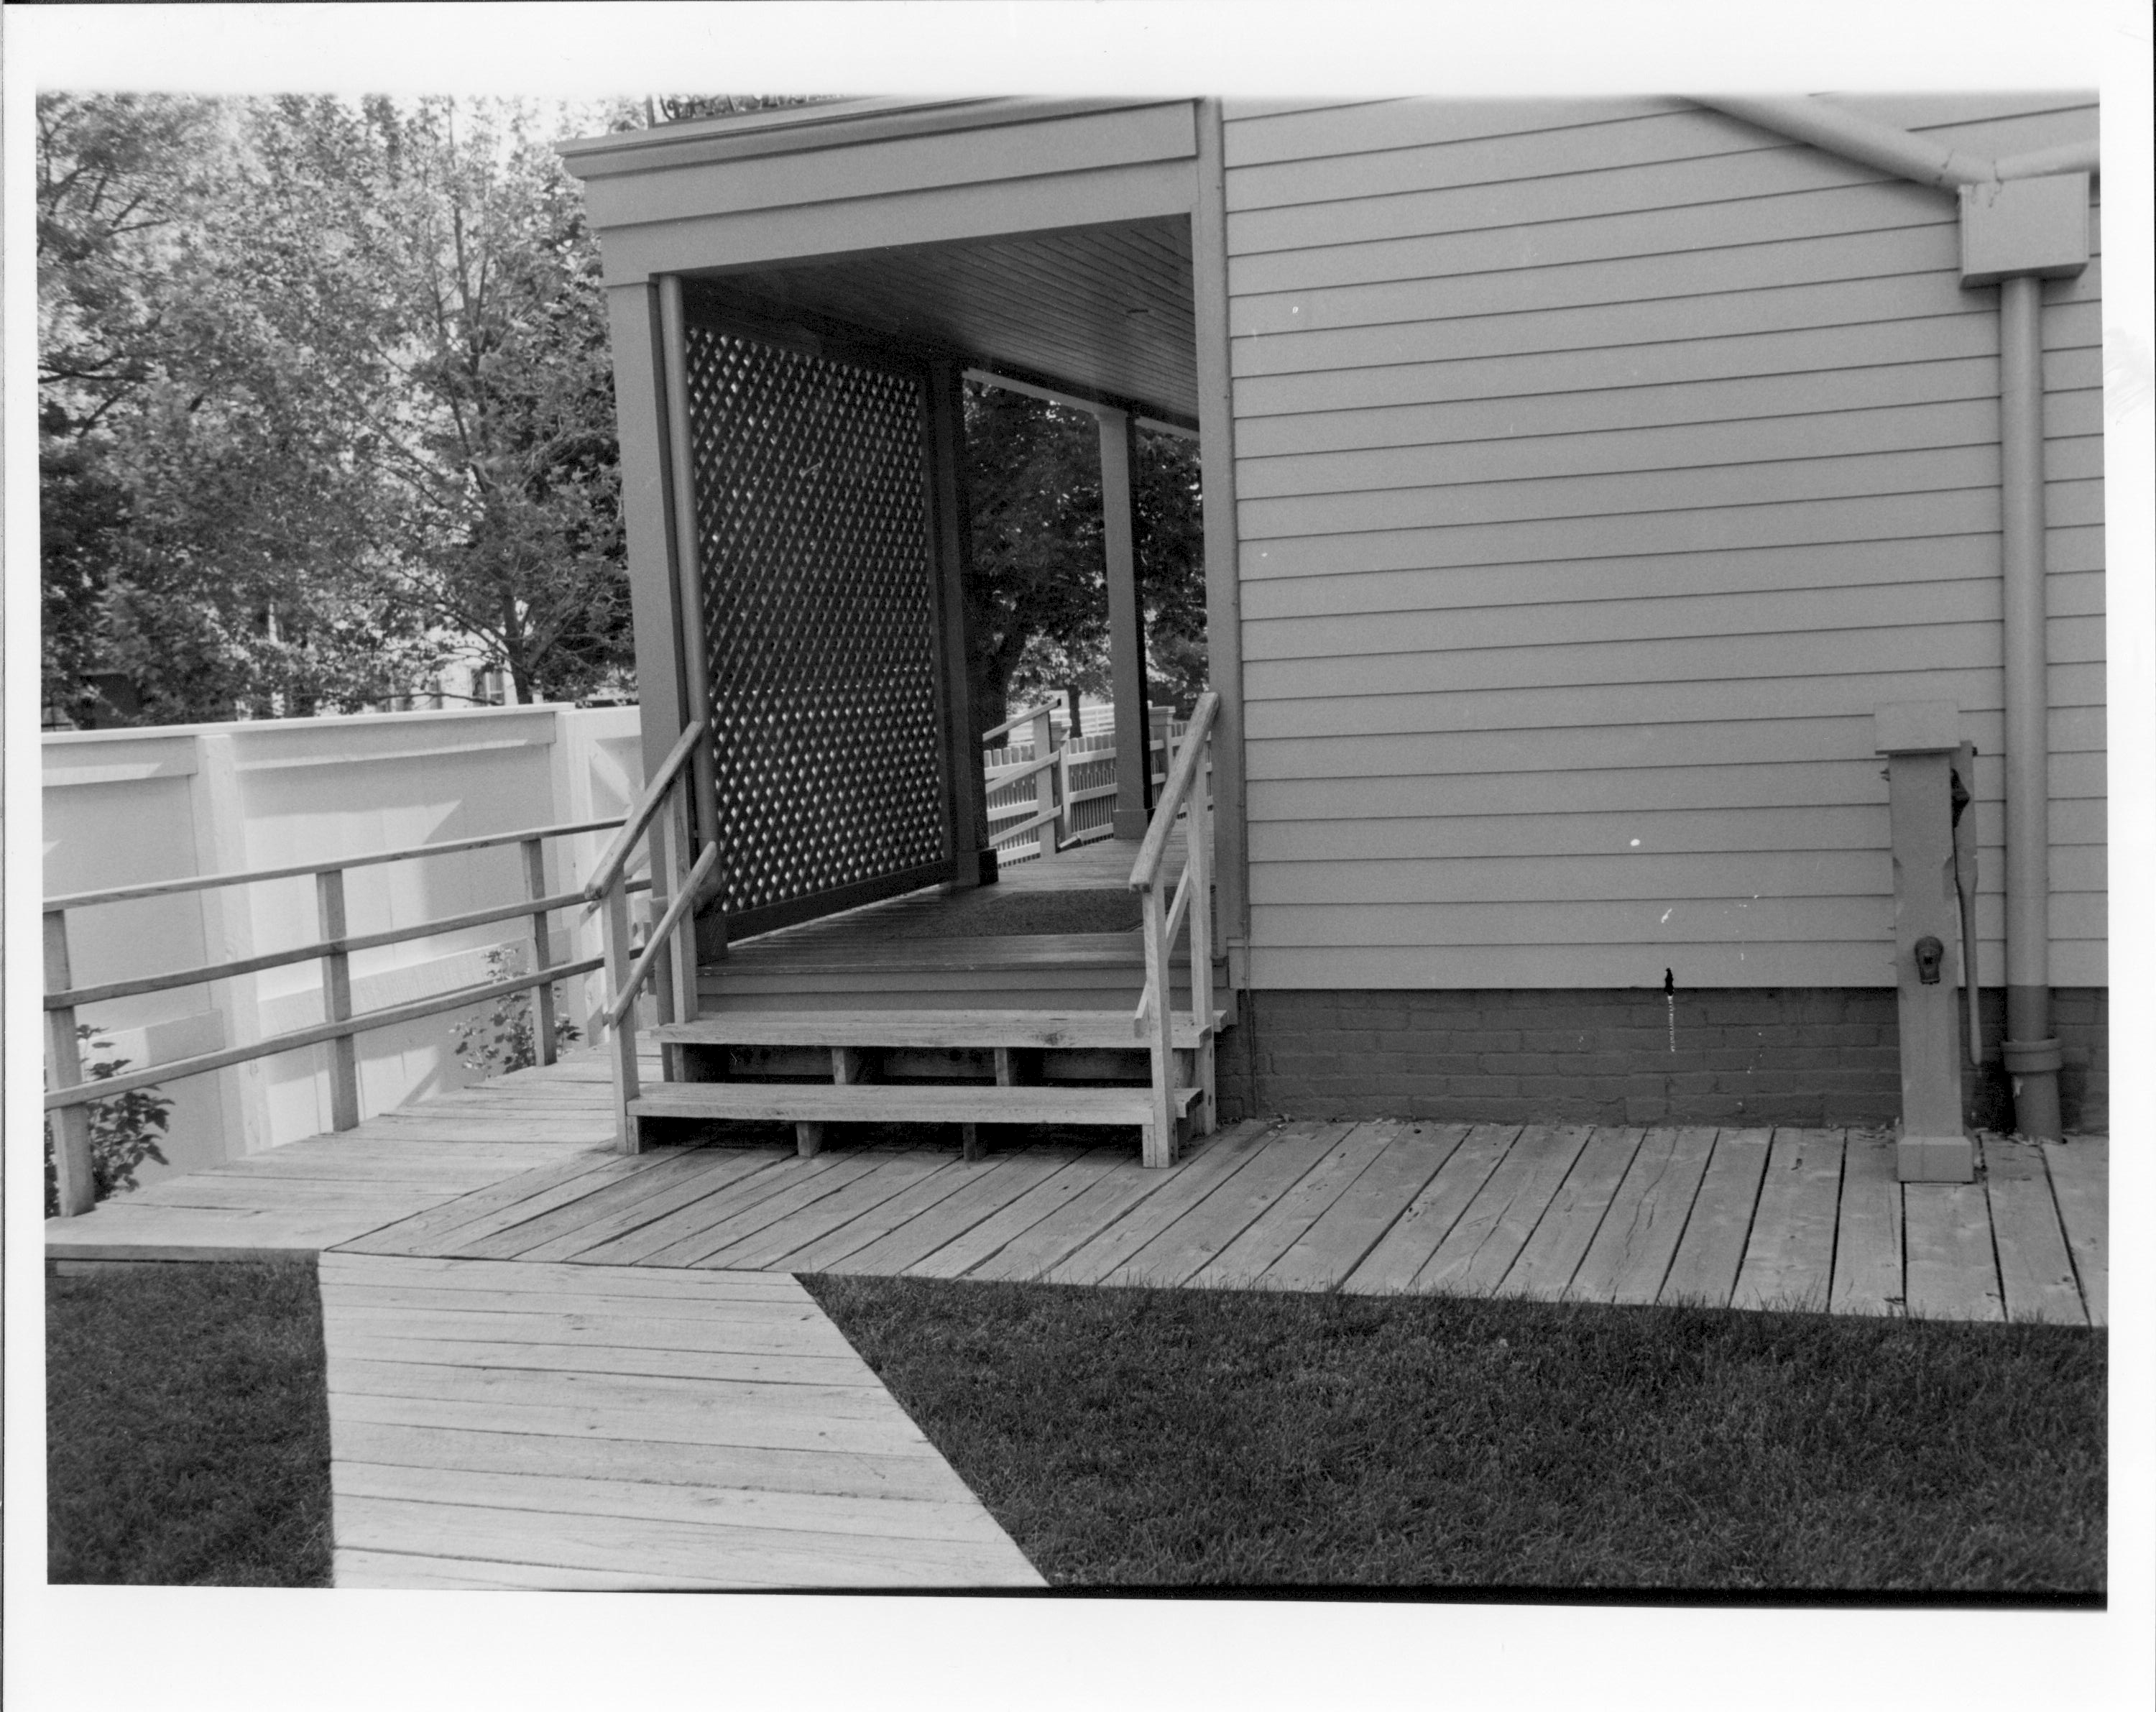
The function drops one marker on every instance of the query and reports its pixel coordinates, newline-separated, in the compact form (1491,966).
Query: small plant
(123,1129)
(506,1037)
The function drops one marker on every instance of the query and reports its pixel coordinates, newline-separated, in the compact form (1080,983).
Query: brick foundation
(1754,1056)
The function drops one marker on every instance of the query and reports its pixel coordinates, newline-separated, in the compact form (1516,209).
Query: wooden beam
(1126,657)
(951,546)
(1224,598)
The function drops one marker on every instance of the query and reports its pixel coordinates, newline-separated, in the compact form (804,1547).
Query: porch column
(950,537)
(1126,654)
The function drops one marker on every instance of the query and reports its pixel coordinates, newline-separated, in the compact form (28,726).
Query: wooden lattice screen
(819,625)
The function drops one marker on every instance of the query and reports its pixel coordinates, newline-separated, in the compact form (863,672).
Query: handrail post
(613,929)
(1043,782)
(71,1156)
(1160,1136)
(1199,862)
(543,952)
(684,936)
(336,1002)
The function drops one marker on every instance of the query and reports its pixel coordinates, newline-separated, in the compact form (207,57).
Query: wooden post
(71,1156)
(1199,865)
(808,1139)
(969,1143)
(1160,1134)
(687,566)
(336,1002)
(543,949)
(972,857)
(686,1007)
(1126,659)
(613,931)
(1044,783)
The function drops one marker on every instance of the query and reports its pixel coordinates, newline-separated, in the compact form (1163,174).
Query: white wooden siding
(1600,466)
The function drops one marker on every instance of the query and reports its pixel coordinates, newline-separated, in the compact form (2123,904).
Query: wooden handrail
(85,1092)
(203,882)
(321,947)
(1145,872)
(654,793)
(1022,717)
(656,942)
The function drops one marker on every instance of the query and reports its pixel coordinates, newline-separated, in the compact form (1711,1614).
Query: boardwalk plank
(707,1551)
(410,1571)
(2081,1177)
(656,1395)
(1123,1186)
(775,1194)
(643,1203)
(1951,1271)
(791,1512)
(986,1239)
(1867,1251)
(2035,1271)
(1406,1248)
(680,1231)
(1632,1251)
(1184,1186)
(1336,1243)
(773,1241)
(417,1233)
(631,1329)
(1195,1239)
(1788,1264)
(1552,1255)
(749,1468)
(1704,1268)
(915,1200)
(670,1169)
(986,1187)
(574,1277)
(573,1357)
(1244,1261)
(1482,1246)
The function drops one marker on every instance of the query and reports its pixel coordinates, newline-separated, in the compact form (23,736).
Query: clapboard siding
(1600,467)
(1262,442)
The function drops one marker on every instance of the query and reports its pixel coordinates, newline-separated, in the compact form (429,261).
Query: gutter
(2024,218)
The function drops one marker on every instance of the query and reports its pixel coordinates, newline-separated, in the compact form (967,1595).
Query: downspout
(2032,1051)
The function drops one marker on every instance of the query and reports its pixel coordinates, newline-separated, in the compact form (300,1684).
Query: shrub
(504,1036)
(123,1129)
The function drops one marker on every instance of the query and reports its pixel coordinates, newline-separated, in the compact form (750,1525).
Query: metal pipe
(2032,1054)
(1886,147)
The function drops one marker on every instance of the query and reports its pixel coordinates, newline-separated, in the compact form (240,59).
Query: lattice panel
(819,619)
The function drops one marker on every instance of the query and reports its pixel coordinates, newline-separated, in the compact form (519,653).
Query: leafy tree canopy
(1039,595)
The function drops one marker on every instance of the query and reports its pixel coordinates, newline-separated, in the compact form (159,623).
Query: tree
(329,399)
(1038,600)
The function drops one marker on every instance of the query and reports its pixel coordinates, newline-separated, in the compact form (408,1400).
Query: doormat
(987,912)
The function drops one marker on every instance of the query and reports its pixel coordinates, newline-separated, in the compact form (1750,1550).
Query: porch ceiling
(1095,309)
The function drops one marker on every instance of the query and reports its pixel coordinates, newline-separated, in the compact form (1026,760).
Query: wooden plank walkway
(310,1194)
(528,1425)
(1746,1218)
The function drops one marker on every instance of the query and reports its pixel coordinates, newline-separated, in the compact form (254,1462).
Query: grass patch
(188,1425)
(1153,1437)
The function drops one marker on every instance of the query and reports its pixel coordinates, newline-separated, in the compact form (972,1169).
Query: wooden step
(964,1103)
(1080,1029)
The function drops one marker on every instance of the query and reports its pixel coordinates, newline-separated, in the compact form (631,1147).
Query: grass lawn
(1142,1437)
(187,1424)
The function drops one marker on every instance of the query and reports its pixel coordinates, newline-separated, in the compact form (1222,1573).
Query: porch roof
(1048,241)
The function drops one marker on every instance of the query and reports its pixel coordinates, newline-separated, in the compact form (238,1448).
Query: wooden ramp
(526,1425)
(307,1196)
(1802,1219)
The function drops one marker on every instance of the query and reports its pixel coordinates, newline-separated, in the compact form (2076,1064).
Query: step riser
(914,1064)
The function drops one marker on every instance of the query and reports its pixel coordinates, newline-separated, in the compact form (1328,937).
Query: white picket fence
(1072,797)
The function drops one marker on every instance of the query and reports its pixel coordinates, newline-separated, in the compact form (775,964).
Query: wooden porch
(1730,1218)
